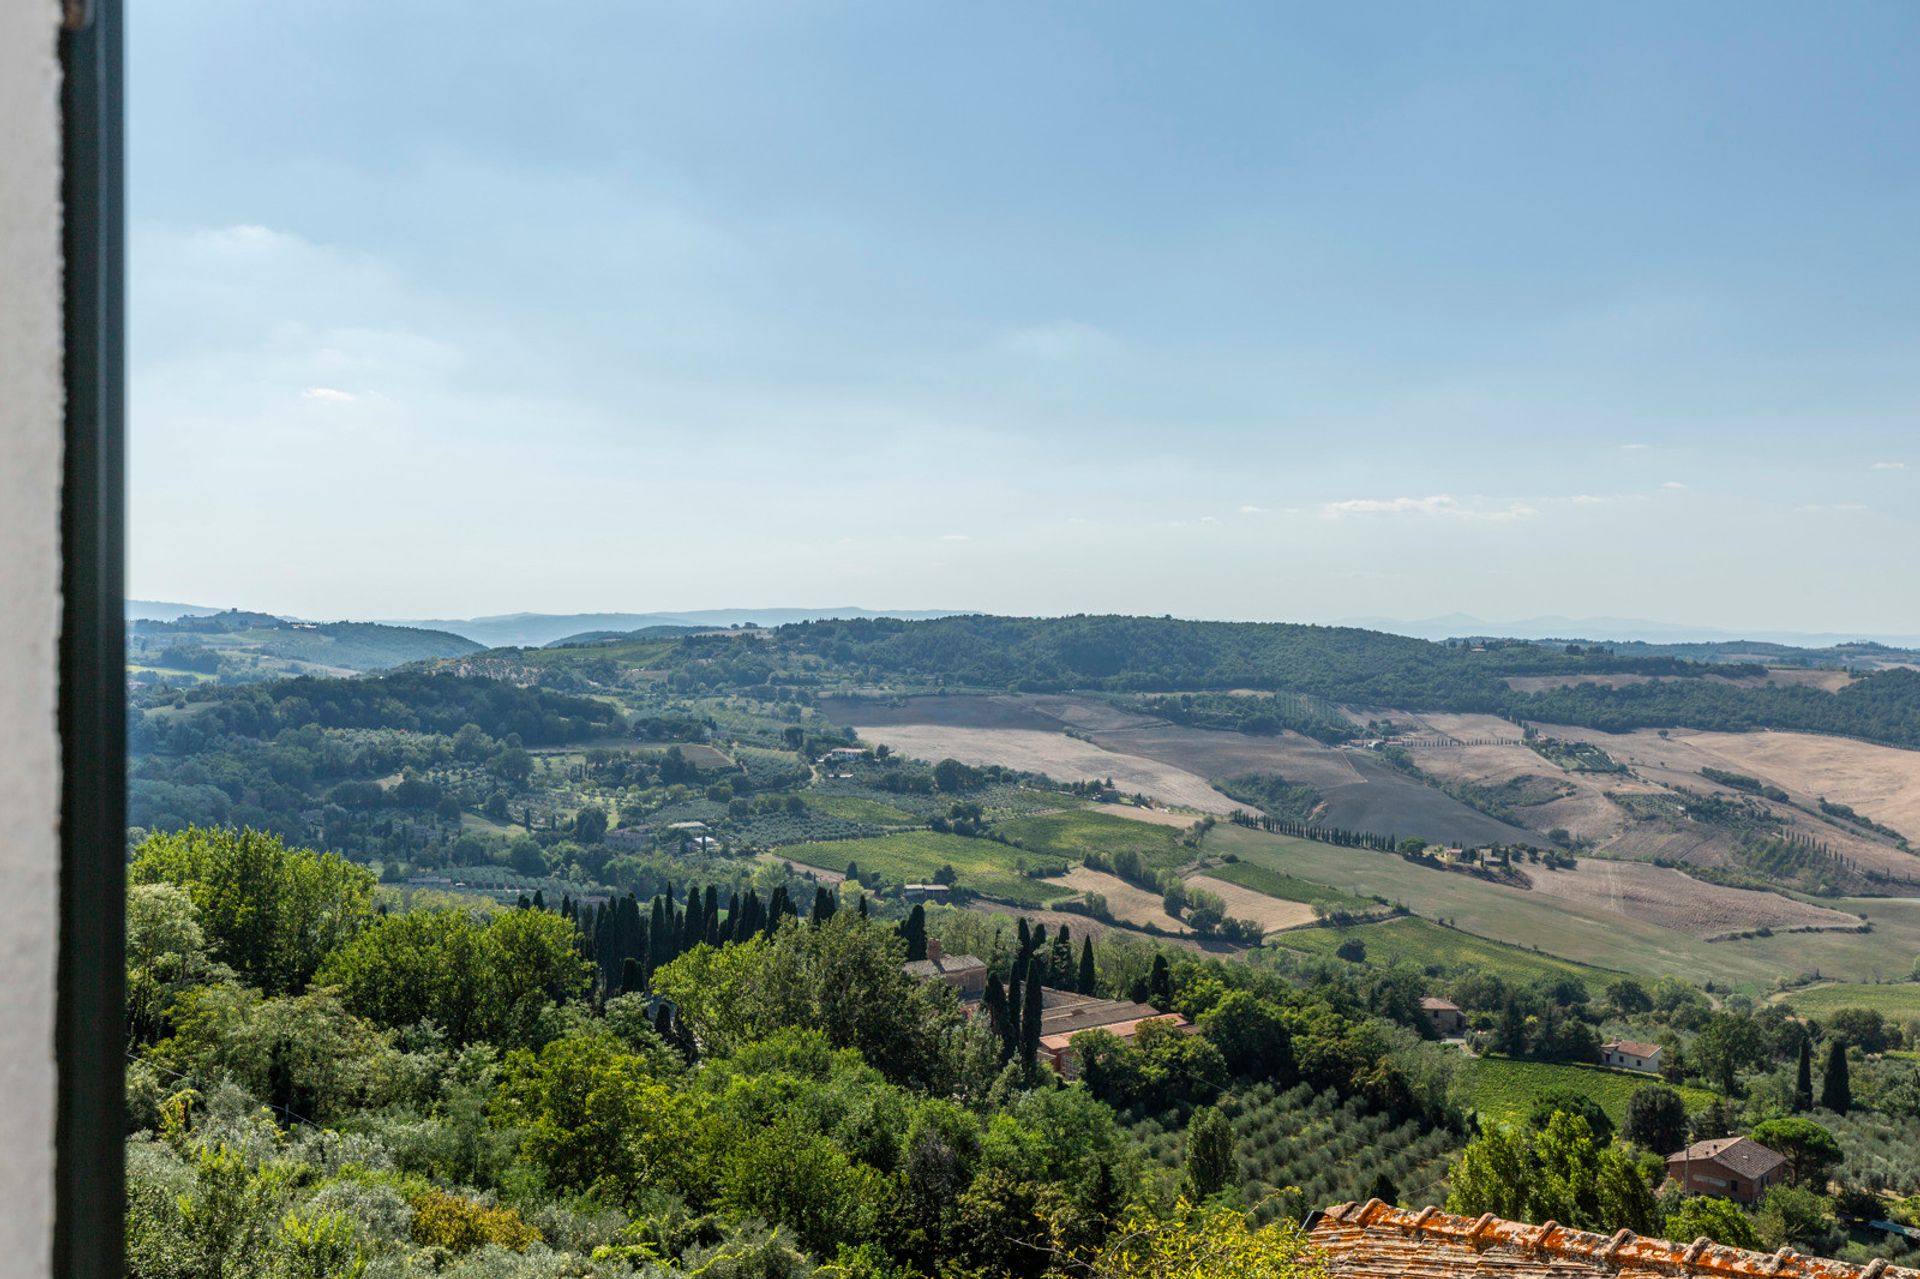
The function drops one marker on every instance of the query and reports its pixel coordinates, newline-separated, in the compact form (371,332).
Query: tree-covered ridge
(239,647)
(408,701)
(1340,664)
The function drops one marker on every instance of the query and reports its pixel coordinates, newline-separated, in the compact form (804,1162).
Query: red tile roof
(1374,1241)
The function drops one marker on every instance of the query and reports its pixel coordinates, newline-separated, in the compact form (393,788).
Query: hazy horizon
(1300,315)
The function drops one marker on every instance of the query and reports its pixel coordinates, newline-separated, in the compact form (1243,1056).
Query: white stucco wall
(30,431)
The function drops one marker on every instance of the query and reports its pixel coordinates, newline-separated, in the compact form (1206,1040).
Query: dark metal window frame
(90,1035)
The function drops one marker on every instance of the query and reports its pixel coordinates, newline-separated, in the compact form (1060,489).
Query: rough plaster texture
(30,433)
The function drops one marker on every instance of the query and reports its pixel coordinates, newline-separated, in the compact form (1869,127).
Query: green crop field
(1900,999)
(1504,1090)
(856,809)
(1078,832)
(982,865)
(1273,883)
(1408,939)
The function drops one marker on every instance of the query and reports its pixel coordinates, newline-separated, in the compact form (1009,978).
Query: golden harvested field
(1125,902)
(1880,782)
(1586,812)
(1670,899)
(1063,758)
(1271,913)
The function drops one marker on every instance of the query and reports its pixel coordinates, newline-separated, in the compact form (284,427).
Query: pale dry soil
(1126,902)
(1880,782)
(1271,913)
(1670,899)
(1063,758)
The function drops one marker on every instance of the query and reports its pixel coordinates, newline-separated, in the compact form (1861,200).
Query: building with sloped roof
(1731,1167)
(1376,1241)
(1631,1054)
(967,974)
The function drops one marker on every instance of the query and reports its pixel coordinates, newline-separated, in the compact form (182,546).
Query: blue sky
(1252,311)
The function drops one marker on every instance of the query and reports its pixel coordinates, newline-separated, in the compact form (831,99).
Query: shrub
(461,1225)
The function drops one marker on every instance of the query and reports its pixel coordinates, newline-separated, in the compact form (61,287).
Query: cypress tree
(1060,962)
(658,944)
(914,931)
(523,903)
(629,976)
(539,899)
(995,1001)
(695,930)
(1088,981)
(822,905)
(779,906)
(1030,1016)
(1026,940)
(1160,984)
(1015,1001)
(863,905)
(711,914)
(1803,1081)
(1836,1092)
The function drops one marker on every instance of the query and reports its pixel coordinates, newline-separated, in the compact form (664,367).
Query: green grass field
(1074,834)
(856,809)
(1273,883)
(982,865)
(1503,1090)
(1894,999)
(1408,939)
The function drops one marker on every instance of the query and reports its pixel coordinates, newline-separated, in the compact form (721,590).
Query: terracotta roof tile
(1374,1241)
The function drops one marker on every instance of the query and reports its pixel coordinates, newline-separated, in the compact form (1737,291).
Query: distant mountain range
(532,630)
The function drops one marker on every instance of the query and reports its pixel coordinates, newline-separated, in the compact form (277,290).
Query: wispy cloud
(1633,448)
(1591,499)
(1439,506)
(1674,486)
(956,537)
(1252,510)
(1838,508)
(1889,466)
(329,395)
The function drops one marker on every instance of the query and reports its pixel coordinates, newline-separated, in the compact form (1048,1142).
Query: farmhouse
(967,974)
(1375,1241)
(923,892)
(1065,1015)
(1631,1054)
(1731,1167)
(1448,1021)
(631,838)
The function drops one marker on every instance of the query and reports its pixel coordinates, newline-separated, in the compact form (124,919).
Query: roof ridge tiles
(1624,1248)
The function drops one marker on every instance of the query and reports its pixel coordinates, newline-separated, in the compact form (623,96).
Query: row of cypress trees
(1313,830)
(1015,1009)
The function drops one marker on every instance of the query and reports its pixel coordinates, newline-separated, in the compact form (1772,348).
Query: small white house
(1628,1054)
